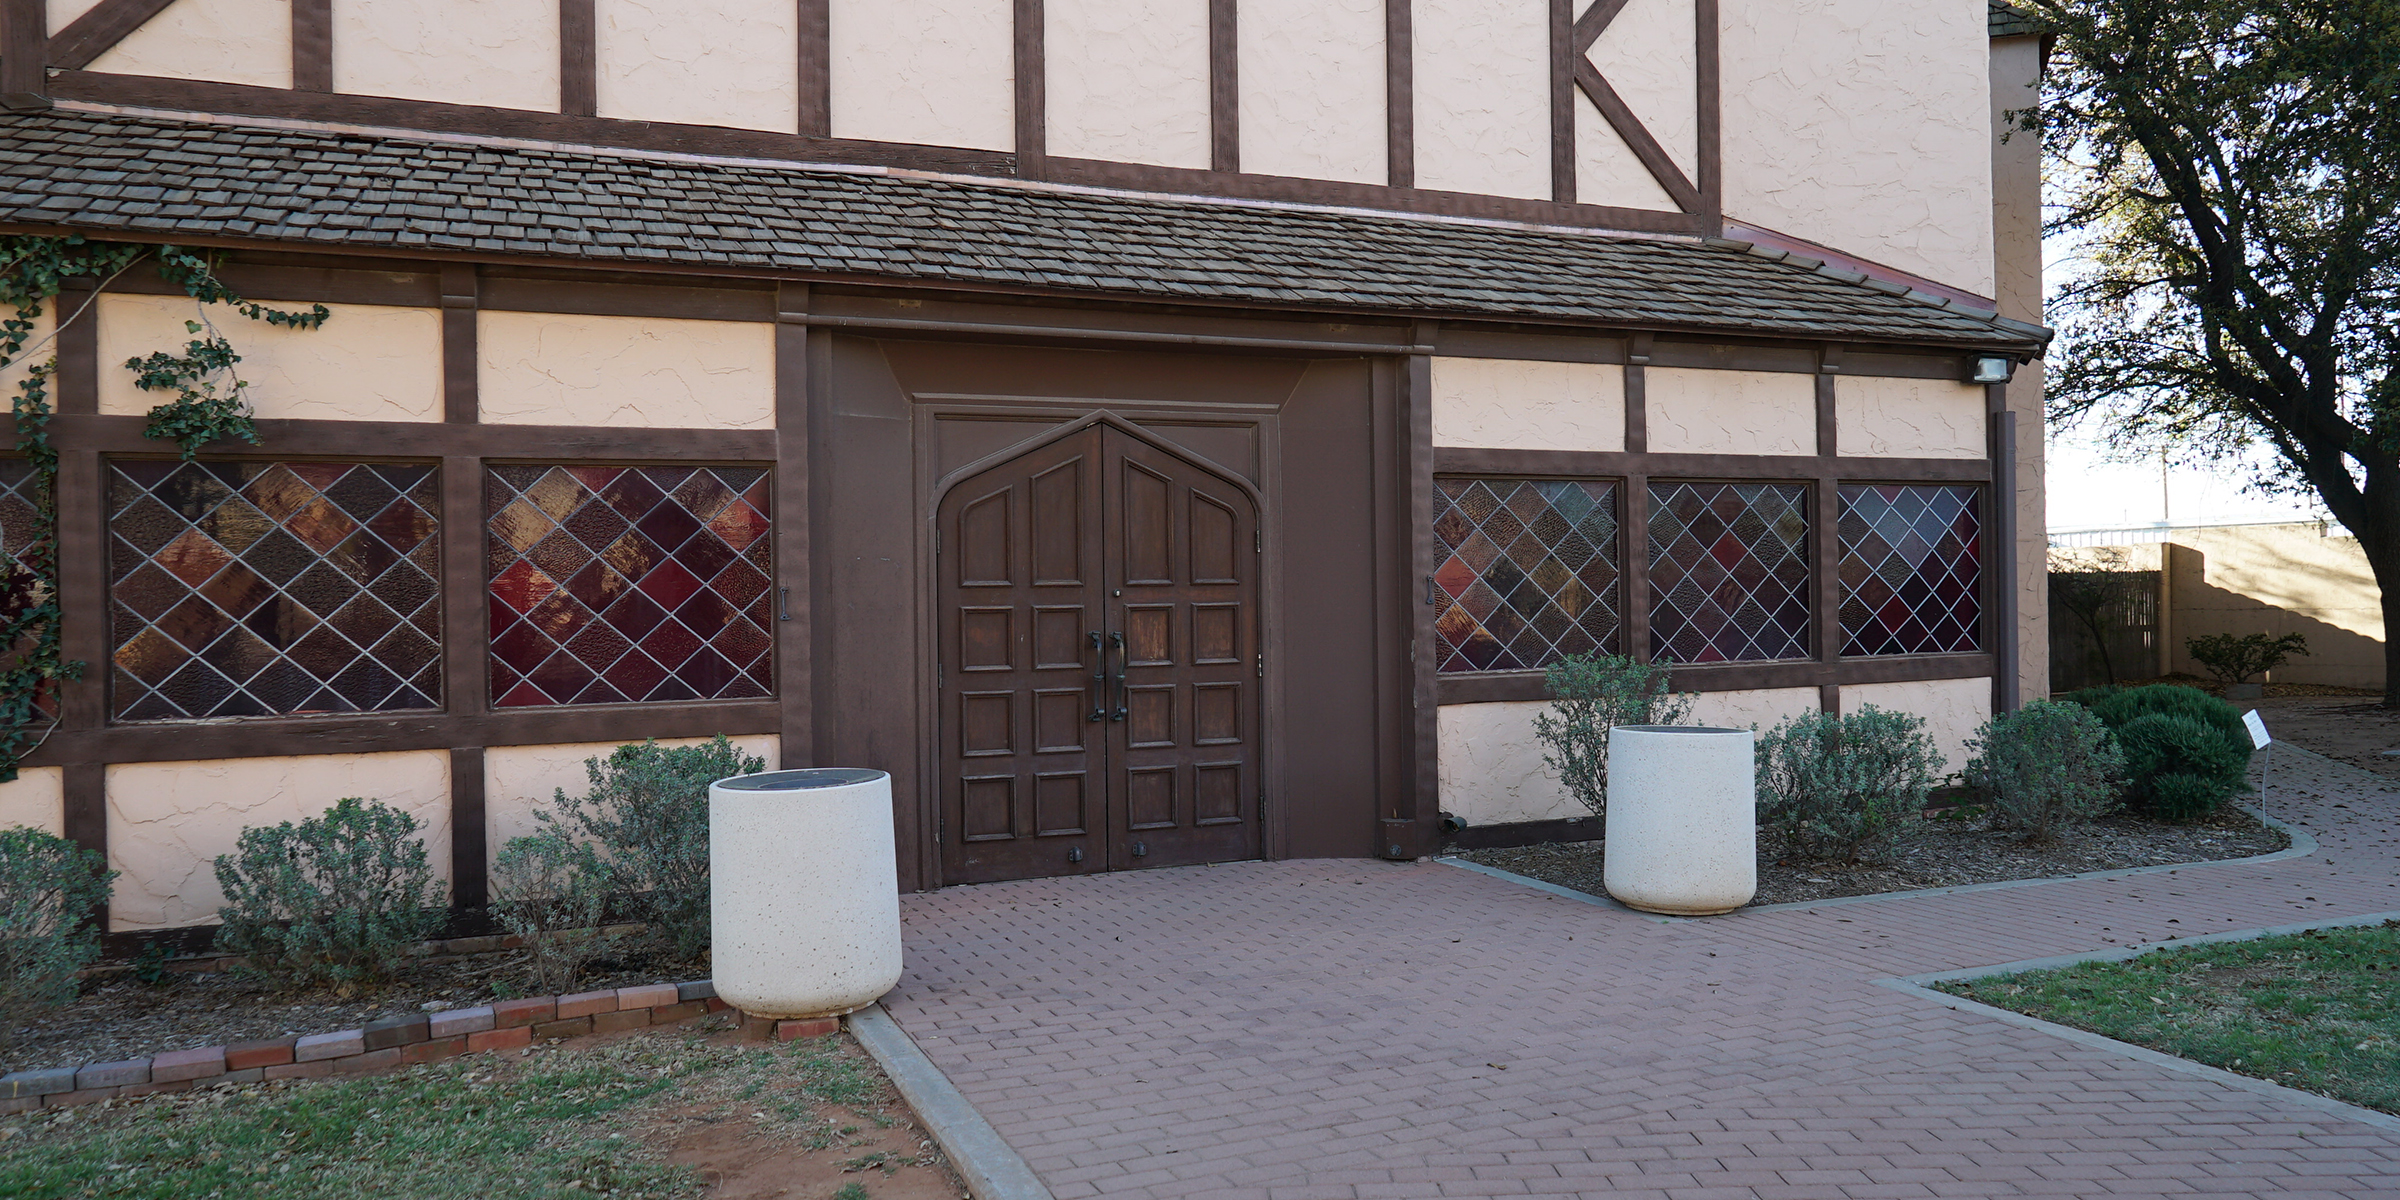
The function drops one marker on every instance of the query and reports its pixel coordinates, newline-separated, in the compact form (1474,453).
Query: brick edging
(382,1044)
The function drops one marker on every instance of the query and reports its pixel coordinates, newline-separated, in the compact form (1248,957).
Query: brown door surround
(1099,664)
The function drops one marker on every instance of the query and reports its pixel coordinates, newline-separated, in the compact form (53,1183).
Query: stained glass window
(20,526)
(1729,573)
(612,585)
(1911,569)
(256,588)
(1528,571)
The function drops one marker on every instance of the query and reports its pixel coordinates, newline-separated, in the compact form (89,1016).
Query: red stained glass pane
(1911,569)
(1528,572)
(633,583)
(1728,572)
(258,588)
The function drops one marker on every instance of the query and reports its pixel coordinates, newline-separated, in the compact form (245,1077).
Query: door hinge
(1262,666)
(940,676)
(937,543)
(1258,541)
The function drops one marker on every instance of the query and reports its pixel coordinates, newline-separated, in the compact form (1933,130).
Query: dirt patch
(1934,853)
(119,1017)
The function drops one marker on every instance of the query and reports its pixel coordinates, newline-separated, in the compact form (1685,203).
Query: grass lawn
(2318,1011)
(602,1119)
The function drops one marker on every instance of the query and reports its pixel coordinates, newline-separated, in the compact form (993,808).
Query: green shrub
(341,899)
(2044,765)
(647,816)
(2090,697)
(2221,754)
(1590,696)
(2183,797)
(49,889)
(2236,659)
(549,891)
(2161,746)
(1838,785)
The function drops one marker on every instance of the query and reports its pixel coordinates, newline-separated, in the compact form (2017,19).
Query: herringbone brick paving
(1350,1030)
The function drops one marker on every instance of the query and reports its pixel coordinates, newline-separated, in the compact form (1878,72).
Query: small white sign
(2258,729)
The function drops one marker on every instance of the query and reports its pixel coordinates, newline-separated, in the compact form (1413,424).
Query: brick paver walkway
(1296,1030)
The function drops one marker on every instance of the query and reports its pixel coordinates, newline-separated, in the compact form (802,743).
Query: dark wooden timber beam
(98,30)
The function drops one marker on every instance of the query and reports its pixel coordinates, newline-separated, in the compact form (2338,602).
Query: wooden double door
(1099,663)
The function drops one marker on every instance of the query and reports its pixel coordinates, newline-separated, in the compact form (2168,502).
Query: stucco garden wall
(517,780)
(625,372)
(168,821)
(1516,404)
(2277,579)
(366,363)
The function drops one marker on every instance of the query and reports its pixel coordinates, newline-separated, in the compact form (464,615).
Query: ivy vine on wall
(206,405)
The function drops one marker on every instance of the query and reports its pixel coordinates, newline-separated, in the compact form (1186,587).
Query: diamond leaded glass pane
(1728,571)
(256,588)
(1528,571)
(612,585)
(20,526)
(1912,569)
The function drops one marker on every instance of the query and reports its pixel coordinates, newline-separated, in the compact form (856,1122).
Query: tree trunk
(2381,543)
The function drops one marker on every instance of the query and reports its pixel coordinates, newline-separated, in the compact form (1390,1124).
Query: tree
(2097,596)
(2230,169)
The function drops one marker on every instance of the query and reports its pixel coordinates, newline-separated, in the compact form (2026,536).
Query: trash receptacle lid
(802,780)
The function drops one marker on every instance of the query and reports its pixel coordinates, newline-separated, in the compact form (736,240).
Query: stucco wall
(637,372)
(460,51)
(1694,411)
(517,780)
(1606,169)
(168,821)
(1517,404)
(63,12)
(1953,709)
(36,797)
(1491,768)
(1482,80)
(39,348)
(2278,579)
(2017,257)
(1650,53)
(1128,80)
(1908,418)
(229,41)
(1763,707)
(939,72)
(366,363)
(1863,125)
(1312,88)
(700,64)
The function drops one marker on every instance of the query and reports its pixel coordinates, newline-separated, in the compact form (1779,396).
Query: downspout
(2008,679)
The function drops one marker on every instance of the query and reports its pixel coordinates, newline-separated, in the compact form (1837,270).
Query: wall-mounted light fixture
(1993,368)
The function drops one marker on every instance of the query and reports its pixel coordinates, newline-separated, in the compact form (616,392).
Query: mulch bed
(1939,853)
(119,1017)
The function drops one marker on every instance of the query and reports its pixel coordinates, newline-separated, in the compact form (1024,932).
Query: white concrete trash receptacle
(804,891)
(1682,833)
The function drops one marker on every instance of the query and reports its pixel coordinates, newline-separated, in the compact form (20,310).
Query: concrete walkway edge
(991,1169)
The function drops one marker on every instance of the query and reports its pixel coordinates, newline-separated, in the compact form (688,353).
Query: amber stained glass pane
(1527,572)
(1912,569)
(243,589)
(613,585)
(1729,572)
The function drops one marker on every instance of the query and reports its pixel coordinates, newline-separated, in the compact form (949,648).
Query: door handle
(1117,640)
(1099,680)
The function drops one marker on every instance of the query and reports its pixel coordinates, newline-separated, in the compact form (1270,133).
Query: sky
(2088,489)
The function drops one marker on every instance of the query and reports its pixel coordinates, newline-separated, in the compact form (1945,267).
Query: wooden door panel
(1019,558)
(1183,586)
